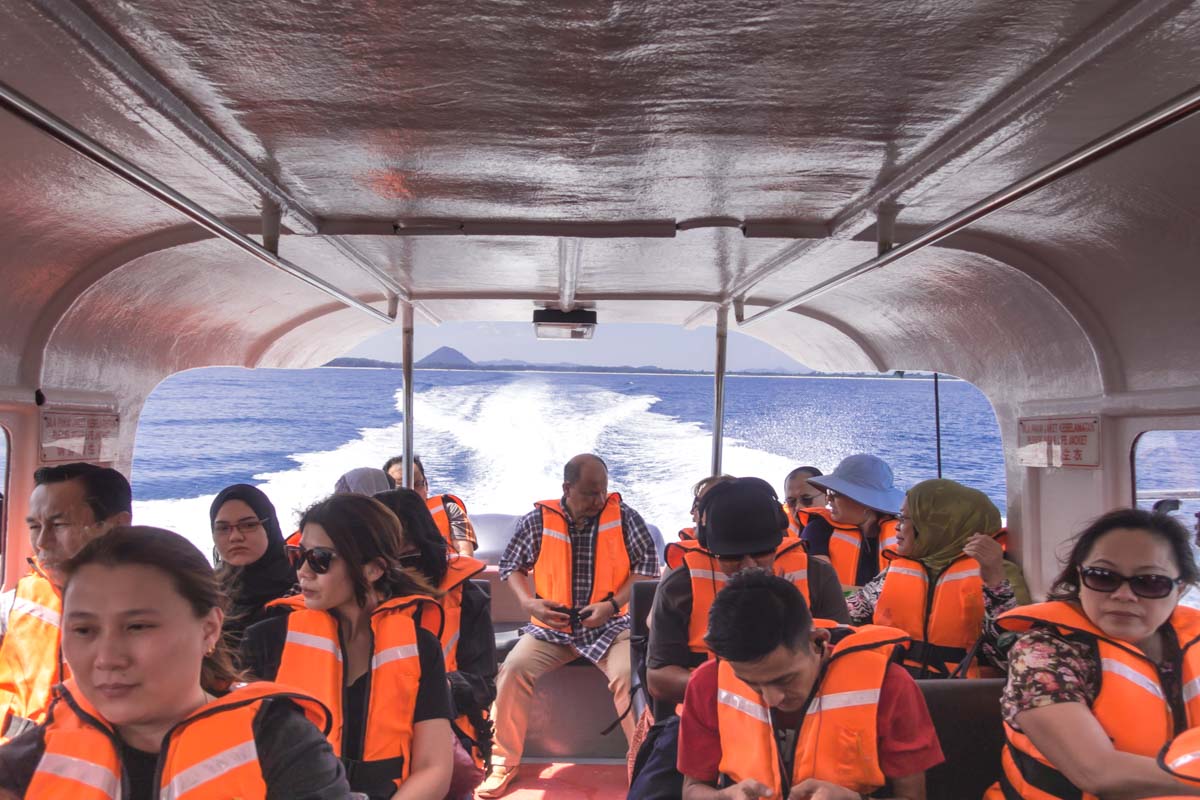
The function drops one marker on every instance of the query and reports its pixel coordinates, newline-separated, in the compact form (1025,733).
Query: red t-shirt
(908,743)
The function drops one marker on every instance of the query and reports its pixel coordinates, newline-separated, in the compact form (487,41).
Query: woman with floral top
(946,582)
(1105,674)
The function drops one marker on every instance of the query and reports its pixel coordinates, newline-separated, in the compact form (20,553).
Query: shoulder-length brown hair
(189,571)
(363,530)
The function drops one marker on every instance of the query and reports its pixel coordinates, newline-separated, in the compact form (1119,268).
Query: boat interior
(1001,192)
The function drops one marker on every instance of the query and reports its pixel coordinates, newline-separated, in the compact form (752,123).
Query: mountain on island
(445,358)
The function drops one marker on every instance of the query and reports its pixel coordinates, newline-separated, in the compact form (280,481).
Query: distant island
(449,358)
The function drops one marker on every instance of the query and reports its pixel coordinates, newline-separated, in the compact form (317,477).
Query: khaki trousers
(529,660)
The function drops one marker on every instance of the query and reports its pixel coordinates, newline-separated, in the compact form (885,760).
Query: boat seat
(640,603)
(966,715)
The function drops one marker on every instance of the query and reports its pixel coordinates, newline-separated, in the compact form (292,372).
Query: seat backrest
(493,532)
(966,716)
(640,602)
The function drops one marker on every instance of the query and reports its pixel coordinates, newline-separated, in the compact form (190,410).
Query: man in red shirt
(789,711)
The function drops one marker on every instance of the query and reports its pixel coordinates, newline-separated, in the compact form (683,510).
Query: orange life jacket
(1181,757)
(1131,706)
(675,551)
(31,662)
(211,755)
(687,534)
(460,569)
(845,549)
(553,570)
(791,562)
(437,508)
(313,661)
(944,619)
(838,740)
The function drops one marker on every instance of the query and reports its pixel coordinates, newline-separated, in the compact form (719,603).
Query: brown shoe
(497,782)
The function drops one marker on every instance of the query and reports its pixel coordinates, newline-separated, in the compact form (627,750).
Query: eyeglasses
(319,559)
(244,526)
(803,501)
(1151,587)
(831,495)
(410,560)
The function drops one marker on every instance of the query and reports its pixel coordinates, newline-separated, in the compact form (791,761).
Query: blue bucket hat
(865,479)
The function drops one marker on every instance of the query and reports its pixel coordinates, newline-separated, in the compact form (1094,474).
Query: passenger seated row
(782,648)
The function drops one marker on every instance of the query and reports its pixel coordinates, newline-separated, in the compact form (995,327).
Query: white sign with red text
(79,436)
(1059,442)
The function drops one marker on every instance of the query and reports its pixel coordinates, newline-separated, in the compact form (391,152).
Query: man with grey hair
(572,564)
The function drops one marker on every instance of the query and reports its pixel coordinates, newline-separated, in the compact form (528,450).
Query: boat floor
(571,781)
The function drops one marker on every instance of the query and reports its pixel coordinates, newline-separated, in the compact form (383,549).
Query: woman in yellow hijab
(947,580)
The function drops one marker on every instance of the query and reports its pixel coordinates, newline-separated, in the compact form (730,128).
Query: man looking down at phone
(572,564)
(789,711)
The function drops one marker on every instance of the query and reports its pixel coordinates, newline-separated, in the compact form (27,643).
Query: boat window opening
(497,435)
(1166,473)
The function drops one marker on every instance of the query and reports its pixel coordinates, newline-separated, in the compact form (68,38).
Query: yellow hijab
(946,514)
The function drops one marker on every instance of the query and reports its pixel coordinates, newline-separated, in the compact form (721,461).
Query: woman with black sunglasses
(355,639)
(468,638)
(1103,675)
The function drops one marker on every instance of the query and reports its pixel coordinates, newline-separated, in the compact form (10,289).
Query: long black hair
(1066,585)
(420,530)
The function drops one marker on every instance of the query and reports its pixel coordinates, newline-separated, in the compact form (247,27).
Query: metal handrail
(26,109)
(1166,494)
(1176,109)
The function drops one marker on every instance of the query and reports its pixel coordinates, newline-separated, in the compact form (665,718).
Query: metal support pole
(407,351)
(76,140)
(937,421)
(719,388)
(271,214)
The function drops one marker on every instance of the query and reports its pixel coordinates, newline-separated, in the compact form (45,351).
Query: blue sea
(499,439)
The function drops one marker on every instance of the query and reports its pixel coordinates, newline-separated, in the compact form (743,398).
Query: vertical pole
(407,348)
(271,215)
(937,421)
(719,388)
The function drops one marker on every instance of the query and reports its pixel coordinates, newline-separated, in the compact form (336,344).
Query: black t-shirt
(672,612)
(262,650)
(816,536)
(297,763)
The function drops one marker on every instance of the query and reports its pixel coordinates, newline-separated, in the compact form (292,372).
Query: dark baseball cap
(741,517)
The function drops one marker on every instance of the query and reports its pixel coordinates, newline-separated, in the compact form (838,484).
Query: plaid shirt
(526,544)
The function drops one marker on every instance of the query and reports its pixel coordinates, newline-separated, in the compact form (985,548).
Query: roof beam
(1175,110)
(977,135)
(25,109)
(126,66)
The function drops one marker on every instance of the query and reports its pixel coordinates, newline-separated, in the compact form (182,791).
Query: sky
(614,345)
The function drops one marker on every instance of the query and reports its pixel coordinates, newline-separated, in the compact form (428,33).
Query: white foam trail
(510,441)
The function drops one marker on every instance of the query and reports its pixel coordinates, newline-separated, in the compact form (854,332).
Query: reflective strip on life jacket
(554,568)
(1131,705)
(30,654)
(707,578)
(944,630)
(312,661)
(1181,757)
(838,739)
(211,754)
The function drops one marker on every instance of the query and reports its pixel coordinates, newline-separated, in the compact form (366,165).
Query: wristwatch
(613,600)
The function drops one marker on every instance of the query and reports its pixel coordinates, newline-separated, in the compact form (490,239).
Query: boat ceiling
(676,156)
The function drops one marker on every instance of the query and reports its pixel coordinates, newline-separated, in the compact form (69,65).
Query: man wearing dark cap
(741,526)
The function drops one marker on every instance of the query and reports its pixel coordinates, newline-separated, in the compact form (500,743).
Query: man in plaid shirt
(556,545)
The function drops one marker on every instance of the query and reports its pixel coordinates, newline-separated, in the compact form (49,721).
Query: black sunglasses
(1151,587)
(319,559)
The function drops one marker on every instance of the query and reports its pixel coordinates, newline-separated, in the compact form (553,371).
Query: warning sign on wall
(1059,442)
(79,436)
